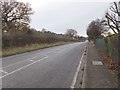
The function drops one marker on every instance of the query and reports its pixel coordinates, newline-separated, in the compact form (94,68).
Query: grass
(28,48)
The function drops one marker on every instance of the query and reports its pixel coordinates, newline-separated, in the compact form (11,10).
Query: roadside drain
(97,63)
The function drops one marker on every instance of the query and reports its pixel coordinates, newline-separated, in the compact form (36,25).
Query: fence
(110,46)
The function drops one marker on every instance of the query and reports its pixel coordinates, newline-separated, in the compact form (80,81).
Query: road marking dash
(19,62)
(23,67)
(4,71)
(32,60)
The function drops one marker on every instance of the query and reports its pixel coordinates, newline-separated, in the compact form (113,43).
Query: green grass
(18,50)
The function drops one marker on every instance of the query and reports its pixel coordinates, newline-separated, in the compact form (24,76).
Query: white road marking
(19,62)
(25,60)
(32,60)
(23,67)
(3,71)
(77,71)
(97,63)
(51,52)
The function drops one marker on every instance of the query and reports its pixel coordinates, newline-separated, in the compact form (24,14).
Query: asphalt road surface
(53,67)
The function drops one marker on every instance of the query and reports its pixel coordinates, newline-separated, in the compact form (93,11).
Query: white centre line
(23,67)
(77,71)
(4,71)
(19,62)
(25,60)
(32,60)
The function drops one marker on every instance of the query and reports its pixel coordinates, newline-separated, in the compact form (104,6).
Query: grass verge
(18,50)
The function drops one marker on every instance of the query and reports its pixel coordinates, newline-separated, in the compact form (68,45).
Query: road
(53,67)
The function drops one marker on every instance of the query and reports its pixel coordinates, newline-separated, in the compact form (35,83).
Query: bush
(19,39)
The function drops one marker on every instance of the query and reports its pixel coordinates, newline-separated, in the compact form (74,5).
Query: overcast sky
(59,15)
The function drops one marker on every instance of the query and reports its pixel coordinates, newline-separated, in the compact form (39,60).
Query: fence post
(119,59)
(119,49)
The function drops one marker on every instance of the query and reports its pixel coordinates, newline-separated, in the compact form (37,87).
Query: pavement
(96,72)
(55,67)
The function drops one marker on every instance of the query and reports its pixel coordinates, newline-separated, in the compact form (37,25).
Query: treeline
(20,39)
(16,31)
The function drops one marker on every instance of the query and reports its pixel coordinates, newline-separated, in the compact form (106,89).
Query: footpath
(96,71)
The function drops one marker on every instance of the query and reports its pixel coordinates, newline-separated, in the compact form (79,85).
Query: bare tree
(15,13)
(71,32)
(113,17)
(95,29)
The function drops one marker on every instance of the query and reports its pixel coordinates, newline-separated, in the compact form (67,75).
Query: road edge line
(84,72)
(77,71)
